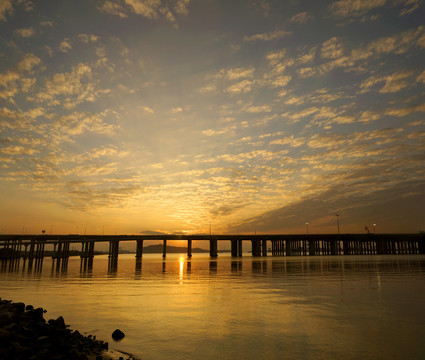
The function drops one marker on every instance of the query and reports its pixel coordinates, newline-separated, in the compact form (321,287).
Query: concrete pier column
(421,245)
(256,247)
(288,247)
(311,247)
(234,248)
(65,251)
(189,248)
(264,247)
(113,249)
(59,251)
(164,248)
(240,248)
(139,249)
(334,247)
(54,255)
(83,250)
(25,254)
(33,249)
(91,250)
(213,248)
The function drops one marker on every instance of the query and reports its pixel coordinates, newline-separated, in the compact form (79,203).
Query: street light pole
(374,228)
(306,225)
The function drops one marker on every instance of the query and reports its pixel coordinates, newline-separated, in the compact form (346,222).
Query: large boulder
(117,335)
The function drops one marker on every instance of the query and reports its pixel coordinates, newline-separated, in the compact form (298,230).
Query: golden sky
(144,116)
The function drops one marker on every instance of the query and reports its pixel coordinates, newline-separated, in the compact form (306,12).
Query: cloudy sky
(129,116)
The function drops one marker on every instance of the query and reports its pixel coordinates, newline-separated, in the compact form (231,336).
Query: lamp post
(306,225)
(374,228)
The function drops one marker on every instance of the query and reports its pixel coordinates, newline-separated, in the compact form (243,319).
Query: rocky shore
(26,335)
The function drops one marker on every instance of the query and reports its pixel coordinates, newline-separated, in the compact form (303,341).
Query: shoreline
(25,334)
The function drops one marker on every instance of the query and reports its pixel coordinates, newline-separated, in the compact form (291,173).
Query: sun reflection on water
(181,263)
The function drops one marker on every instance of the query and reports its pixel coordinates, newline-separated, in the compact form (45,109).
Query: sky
(242,116)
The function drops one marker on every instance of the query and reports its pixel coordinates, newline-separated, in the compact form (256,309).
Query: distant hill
(155,249)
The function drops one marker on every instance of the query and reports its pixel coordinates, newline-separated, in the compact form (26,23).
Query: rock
(37,313)
(117,335)
(20,306)
(29,307)
(5,335)
(25,335)
(58,324)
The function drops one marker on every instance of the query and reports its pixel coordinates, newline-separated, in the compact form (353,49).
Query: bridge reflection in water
(185,266)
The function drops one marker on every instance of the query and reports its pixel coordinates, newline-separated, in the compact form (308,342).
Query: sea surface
(336,307)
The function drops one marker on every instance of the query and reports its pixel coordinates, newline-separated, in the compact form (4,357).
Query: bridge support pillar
(213,248)
(164,248)
(114,246)
(256,247)
(234,248)
(264,247)
(288,247)
(189,248)
(139,249)
(91,250)
(311,247)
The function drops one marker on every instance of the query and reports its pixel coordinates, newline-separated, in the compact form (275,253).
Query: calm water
(355,307)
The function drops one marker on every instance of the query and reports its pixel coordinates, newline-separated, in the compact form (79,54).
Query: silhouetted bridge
(33,246)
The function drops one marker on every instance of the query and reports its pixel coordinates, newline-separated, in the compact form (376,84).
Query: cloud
(47,23)
(176,110)
(301,18)
(259,109)
(28,63)
(25,32)
(181,7)
(146,8)
(65,46)
(410,6)
(9,80)
(421,77)
(79,122)
(275,57)
(280,81)
(289,140)
(273,35)
(18,150)
(150,9)
(225,210)
(239,73)
(243,86)
(73,87)
(225,130)
(235,73)
(369,116)
(353,8)
(88,38)
(6,8)
(392,83)
(152,232)
(405,111)
(398,44)
(332,49)
(146,109)
(113,8)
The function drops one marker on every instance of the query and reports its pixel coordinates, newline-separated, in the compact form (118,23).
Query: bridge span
(33,246)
